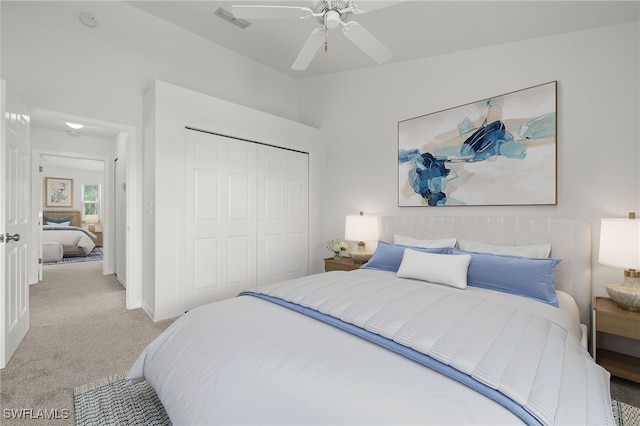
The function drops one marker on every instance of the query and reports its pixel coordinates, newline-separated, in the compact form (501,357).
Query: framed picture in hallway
(499,151)
(58,192)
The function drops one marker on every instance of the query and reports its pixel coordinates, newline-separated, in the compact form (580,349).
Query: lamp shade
(620,243)
(91,218)
(361,228)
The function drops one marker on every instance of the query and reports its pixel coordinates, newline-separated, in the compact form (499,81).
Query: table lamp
(91,220)
(361,228)
(620,246)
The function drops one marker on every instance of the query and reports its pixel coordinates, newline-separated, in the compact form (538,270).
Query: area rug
(111,401)
(625,414)
(95,255)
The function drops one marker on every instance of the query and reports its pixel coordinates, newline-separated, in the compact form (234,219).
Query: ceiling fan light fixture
(332,19)
(330,14)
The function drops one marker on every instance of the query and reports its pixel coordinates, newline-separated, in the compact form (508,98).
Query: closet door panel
(298,260)
(219,218)
(273,253)
(205,277)
(283,235)
(239,192)
(238,267)
(206,190)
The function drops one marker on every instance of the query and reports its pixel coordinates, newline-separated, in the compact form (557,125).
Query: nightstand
(98,239)
(609,318)
(344,264)
(97,232)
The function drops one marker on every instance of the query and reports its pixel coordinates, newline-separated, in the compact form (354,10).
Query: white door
(283,212)
(219,218)
(14,224)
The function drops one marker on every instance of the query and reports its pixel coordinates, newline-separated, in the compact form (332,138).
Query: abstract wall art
(497,151)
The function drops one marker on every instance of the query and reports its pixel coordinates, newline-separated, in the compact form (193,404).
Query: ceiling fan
(330,14)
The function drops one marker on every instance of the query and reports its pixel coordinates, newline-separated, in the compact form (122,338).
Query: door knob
(14,237)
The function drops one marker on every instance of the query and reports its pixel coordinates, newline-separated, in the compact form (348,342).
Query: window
(91,198)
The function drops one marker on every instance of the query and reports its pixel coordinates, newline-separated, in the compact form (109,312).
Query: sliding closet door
(283,211)
(219,212)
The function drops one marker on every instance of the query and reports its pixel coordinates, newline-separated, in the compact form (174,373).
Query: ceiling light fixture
(74,126)
(228,16)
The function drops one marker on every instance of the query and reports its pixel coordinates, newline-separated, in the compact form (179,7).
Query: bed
(62,230)
(415,345)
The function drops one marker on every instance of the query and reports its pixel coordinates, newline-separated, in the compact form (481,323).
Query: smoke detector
(89,19)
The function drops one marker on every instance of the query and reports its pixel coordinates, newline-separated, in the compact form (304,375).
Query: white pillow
(62,224)
(414,242)
(533,250)
(435,268)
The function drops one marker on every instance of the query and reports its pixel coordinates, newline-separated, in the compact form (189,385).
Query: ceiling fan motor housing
(331,20)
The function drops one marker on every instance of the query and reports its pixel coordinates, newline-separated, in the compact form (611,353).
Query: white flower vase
(336,255)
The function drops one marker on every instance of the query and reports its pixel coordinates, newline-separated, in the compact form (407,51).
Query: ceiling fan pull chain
(326,45)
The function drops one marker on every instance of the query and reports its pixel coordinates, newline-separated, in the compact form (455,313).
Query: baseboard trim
(121,281)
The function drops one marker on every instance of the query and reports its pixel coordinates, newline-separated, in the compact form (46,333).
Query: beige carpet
(80,332)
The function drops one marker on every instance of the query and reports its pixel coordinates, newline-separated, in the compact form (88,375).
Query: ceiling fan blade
(270,12)
(362,6)
(367,42)
(309,49)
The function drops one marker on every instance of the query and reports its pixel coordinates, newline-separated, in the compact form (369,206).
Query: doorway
(88,205)
(117,222)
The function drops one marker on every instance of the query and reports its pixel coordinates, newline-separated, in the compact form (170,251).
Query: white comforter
(74,240)
(249,361)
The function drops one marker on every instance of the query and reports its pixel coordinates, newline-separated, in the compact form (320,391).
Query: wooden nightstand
(344,264)
(98,240)
(609,318)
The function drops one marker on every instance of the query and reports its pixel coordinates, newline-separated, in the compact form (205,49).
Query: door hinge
(1,238)
(39,261)
(41,169)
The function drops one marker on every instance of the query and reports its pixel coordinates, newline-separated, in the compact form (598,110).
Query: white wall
(61,143)
(168,109)
(598,125)
(55,143)
(56,63)
(79,177)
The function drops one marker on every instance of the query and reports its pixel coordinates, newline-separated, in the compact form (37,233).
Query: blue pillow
(523,276)
(388,257)
(50,219)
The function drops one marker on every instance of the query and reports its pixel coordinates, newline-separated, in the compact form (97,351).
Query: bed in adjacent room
(63,236)
(490,331)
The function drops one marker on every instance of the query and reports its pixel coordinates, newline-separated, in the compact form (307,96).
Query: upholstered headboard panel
(570,241)
(58,214)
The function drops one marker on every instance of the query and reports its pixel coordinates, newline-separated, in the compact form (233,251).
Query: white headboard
(570,241)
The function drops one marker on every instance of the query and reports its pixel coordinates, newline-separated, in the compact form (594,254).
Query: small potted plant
(336,246)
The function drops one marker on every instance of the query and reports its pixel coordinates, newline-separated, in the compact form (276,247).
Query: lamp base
(627,294)
(360,256)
